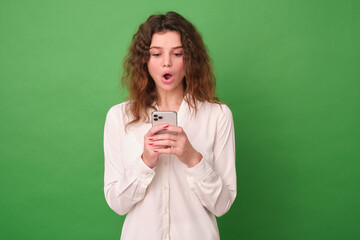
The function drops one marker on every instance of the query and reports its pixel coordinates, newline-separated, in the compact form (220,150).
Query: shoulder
(218,115)
(220,110)
(119,107)
(119,112)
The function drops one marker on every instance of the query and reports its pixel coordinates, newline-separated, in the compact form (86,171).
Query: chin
(169,87)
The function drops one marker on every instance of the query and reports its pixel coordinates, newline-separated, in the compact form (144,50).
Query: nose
(167,60)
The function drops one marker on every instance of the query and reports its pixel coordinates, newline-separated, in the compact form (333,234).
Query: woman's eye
(155,54)
(178,54)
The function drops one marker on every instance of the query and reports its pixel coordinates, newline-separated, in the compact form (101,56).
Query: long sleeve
(126,175)
(171,201)
(215,186)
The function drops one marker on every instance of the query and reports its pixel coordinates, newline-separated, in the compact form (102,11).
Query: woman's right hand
(150,155)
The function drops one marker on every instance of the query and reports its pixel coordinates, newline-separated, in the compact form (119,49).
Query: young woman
(171,186)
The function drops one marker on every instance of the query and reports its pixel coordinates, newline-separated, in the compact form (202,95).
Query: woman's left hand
(177,144)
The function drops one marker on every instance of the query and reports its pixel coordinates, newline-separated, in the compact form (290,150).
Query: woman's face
(166,64)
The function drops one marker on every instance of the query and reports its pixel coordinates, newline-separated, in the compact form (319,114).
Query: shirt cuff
(199,171)
(142,172)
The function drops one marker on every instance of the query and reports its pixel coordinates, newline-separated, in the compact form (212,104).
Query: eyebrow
(162,48)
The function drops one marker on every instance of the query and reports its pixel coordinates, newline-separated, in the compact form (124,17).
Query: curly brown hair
(199,81)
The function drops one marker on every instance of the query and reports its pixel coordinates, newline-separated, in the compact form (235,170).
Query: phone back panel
(163,117)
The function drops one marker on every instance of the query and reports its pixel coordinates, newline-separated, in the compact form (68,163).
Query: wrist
(194,160)
(144,159)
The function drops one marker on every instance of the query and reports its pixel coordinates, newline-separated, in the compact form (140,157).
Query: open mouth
(167,76)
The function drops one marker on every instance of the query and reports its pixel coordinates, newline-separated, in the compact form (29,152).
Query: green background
(289,71)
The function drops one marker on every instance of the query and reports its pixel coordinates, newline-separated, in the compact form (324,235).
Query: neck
(170,101)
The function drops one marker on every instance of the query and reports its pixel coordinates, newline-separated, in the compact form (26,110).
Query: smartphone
(164,117)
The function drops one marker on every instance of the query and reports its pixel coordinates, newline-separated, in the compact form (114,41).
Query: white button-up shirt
(171,201)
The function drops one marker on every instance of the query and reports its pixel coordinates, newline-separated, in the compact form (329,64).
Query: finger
(166,143)
(165,136)
(150,147)
(178,130)
(166,151)
(158,147)
(155,129)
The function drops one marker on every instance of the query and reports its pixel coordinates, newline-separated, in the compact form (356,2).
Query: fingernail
(155,151)
(151,144)
(151,139)
(166,126)
(165,129)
